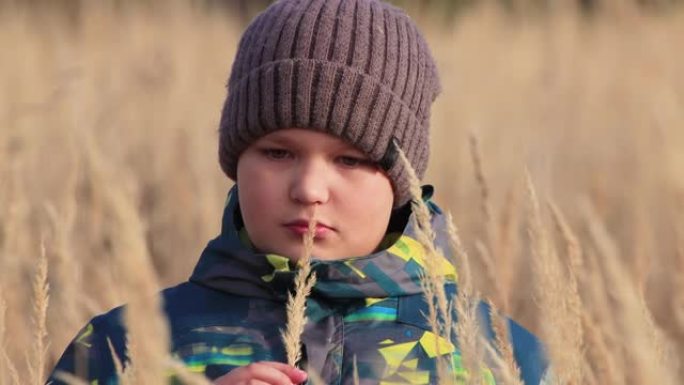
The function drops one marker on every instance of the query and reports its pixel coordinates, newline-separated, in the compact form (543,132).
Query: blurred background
(109,103)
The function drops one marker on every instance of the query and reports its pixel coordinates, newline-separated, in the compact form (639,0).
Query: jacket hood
(230,265)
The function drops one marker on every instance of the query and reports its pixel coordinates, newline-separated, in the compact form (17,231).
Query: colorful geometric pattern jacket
(366,316)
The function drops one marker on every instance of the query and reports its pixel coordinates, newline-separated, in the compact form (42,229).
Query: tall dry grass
(107,158)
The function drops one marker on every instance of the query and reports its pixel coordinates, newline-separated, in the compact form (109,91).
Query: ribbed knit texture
(356,69)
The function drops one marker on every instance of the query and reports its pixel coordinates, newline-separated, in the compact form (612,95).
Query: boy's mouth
(300,227)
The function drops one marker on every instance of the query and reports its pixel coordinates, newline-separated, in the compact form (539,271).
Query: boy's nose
(310,183)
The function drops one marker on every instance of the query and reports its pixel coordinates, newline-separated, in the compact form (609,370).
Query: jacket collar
(230,265)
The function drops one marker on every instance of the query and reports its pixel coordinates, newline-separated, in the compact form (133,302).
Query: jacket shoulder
(89,355)
(529,352)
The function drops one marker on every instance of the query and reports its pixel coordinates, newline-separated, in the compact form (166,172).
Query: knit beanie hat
(356,69)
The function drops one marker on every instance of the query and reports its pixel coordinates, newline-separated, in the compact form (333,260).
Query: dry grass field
(110,184)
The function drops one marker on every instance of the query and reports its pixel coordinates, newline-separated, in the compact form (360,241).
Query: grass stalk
(465,307)
(433,281)
(41,298)
(561,329)
(467,329)
(642,359)
(572,302)
(486,210)
(66,269)
(487,250)
(305,279)
(603,362)
(459,256)
(503,344)
(507,249)
(505,374)
(8,372)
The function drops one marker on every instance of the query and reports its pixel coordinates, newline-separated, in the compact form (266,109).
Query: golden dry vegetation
(558,146)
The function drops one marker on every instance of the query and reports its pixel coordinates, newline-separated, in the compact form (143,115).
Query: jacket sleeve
(89,356)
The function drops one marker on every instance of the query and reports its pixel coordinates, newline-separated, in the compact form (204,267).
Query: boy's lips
(301,227)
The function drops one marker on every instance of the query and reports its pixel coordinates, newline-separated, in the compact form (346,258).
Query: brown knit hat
(356,69)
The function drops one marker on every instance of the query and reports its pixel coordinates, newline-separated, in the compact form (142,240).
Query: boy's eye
(350,161)
(276,153)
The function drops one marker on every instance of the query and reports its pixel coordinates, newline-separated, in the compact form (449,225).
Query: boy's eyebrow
(283,140)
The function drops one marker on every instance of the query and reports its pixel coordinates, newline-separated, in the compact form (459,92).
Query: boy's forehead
(304,136)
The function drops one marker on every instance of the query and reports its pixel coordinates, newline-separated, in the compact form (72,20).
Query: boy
(321,97)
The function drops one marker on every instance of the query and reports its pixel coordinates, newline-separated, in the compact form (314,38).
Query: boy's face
(284,174)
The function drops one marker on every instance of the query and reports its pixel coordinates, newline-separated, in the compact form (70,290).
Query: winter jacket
(366,316)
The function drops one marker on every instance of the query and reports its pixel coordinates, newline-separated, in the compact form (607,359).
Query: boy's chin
(295,254)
